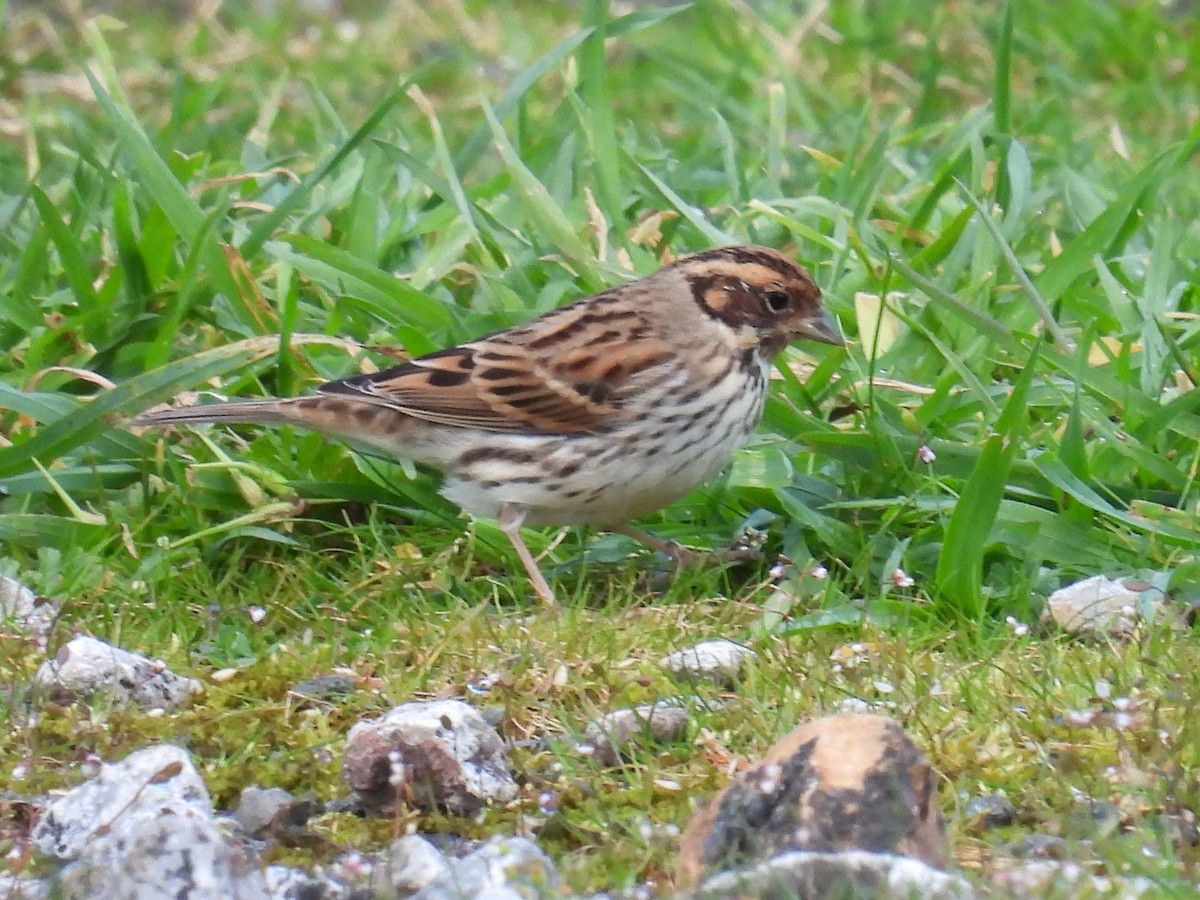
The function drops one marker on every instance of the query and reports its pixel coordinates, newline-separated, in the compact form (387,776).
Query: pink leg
(510,520)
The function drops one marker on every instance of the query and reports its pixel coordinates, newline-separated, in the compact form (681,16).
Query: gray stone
(167,851)
(504,868)
(1039,846)
(258,808)
(991,811)
(86,667)
(413,863)
(845,875)
(325,687)
(721,660)
(437,754)
(611,736)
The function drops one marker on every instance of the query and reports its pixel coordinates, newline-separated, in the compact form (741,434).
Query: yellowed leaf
(878,326)
(648,232)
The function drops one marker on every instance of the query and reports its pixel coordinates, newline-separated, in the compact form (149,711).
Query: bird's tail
(377,427)
(248,412)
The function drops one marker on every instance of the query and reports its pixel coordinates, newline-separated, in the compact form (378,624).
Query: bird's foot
(687,557)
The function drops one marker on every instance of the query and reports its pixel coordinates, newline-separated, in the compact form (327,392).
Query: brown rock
(437,754)
(845,782)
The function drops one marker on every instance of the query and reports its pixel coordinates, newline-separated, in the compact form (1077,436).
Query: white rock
(438,754)
(143,829)
(720,660)
(173,850)
(18,887)
(287,883)
(86,667)
(852,873)
(1098,606)
(159,775)
(1064,878)
(20,609)
(504,868)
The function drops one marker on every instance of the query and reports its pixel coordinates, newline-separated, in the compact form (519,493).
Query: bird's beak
(821,327)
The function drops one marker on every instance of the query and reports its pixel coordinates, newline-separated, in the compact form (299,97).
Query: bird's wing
(571,371)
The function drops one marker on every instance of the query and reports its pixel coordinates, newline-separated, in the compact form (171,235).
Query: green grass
(182,211)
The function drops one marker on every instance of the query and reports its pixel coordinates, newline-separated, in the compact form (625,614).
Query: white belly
(611,478)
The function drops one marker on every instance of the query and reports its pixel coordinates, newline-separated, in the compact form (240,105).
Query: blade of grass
(20,307)
(1002,88)
(543,213)
(389,298)
(42,530)
(181,302)
(70,254)
(157,179)
(1065,480)
(1107,233)
(980,321)
(959,574)
(58,437)
(476,145)
(441,152)
(266,226)
(78,513)
(1035,297)
(1002,104)
(600,130)
(696,217)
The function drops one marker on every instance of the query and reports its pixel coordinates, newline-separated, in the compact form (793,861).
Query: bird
(594,413)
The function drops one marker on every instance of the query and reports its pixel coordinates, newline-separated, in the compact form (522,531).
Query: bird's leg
(685,557)
(510,519)
(682,556)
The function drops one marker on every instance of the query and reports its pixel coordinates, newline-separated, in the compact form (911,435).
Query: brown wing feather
(568,372)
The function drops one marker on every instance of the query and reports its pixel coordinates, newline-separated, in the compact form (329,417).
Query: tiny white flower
(397,771)
(549,802)
(925,454)
(1123,721)
(1019,628)
(1080,718)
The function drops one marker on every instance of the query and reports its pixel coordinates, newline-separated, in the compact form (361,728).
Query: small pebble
(991,811)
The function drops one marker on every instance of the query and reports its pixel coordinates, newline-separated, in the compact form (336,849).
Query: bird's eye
(777,301)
